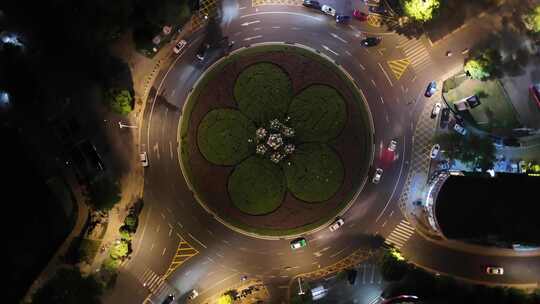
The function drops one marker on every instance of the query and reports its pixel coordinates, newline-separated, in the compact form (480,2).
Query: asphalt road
(223,256)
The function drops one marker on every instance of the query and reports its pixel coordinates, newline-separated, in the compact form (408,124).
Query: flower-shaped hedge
(271,121)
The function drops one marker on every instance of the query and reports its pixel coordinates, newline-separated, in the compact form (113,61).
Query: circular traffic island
(275,140)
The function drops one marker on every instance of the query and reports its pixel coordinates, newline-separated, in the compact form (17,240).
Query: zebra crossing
(399,236)
(416,52)
(155,283)
(368,274)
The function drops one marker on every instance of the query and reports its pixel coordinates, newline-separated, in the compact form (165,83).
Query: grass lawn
(317,114)
(223,136)
(88,249)
(315,173)
(263,92)
(495,110)
(257,186)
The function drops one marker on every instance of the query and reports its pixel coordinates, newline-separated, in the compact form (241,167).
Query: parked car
(494,270)
(445,117)
(377,176)
(336,224)
(179,46)
(392,145)
(144,159)
(193,294)
(370,41)
(311,4)
(435,150)
(460,129)
(342,18)
(378,9)
(431,89)
(436,109)
(327,9)
(359,15)
(298,243)
(169,299)
(201,53)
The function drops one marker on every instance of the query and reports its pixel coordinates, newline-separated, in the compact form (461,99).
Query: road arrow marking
(250,22)
(251,38)
(338,38)
(329,50)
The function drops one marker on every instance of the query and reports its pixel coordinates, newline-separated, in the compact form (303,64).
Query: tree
(225,299)
(393,265)
(532,20)
(104,194)
(119,100)
(69,286)
(420,10)
(483,66)
(472,149)
(120,250)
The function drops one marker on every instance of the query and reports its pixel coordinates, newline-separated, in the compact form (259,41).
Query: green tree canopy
(393,266)
(420,10)
(471,149)
(69,286)
(225,299)
(120,101)
(482,66)
(532,20)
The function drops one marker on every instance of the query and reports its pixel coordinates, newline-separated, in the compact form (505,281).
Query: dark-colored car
(431,89)
(351,276)
(168,300)
(342,18)
(201,53)
(379,9)
(312,4)
(370,41)
(445,117)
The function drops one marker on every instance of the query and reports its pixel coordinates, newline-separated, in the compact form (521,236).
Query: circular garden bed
(275,140)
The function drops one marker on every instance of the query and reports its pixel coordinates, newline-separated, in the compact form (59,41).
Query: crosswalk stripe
(405,236)
(406,228)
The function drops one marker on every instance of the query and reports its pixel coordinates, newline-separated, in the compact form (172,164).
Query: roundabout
(280,145)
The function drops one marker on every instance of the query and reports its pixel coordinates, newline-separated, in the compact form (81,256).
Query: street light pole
(125,126)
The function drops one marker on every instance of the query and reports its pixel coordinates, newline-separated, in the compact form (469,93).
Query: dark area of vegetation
(68,286)
(499,211)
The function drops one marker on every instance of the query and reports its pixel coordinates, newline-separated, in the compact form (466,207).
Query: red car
(359,15)
(535,93)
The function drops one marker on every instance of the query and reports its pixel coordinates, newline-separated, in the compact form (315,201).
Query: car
(435,150)
(460,129)
(392,145)
(370,41)
(201,53)
(298,243)
(494,270)
(431,89)
(378,9)
(179,46)
(377,176)
(336,224)
(327,9)
(169,299)
(359,15)
(342,18)
(144,159)
(311,4)
(445,117)
(436,109)
(193,294)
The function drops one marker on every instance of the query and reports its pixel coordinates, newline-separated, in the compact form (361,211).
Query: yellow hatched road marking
(398,67)
(183,253)
(374,20)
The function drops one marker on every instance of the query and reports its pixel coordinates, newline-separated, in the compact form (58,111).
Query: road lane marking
(348,53)
(252,37)
(382,100)
(156,149)
(362,67)
(286,13)
(250,22)
(329,50)
(157,228)
(196,240)
(171,150)
(337,253)
(386,74)
(338,37)
(162,215)
(276,27)
(163,252)
(373,82)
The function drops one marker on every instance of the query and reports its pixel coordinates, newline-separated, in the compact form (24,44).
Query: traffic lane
(517,270)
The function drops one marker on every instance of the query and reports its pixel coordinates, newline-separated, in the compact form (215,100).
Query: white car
(392,145)
(337,223)
(460,129)
(377,176)
(494,270)
(179,46)
(193,294)
(435,150)
(328,10)
(144,159)
(436,110)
